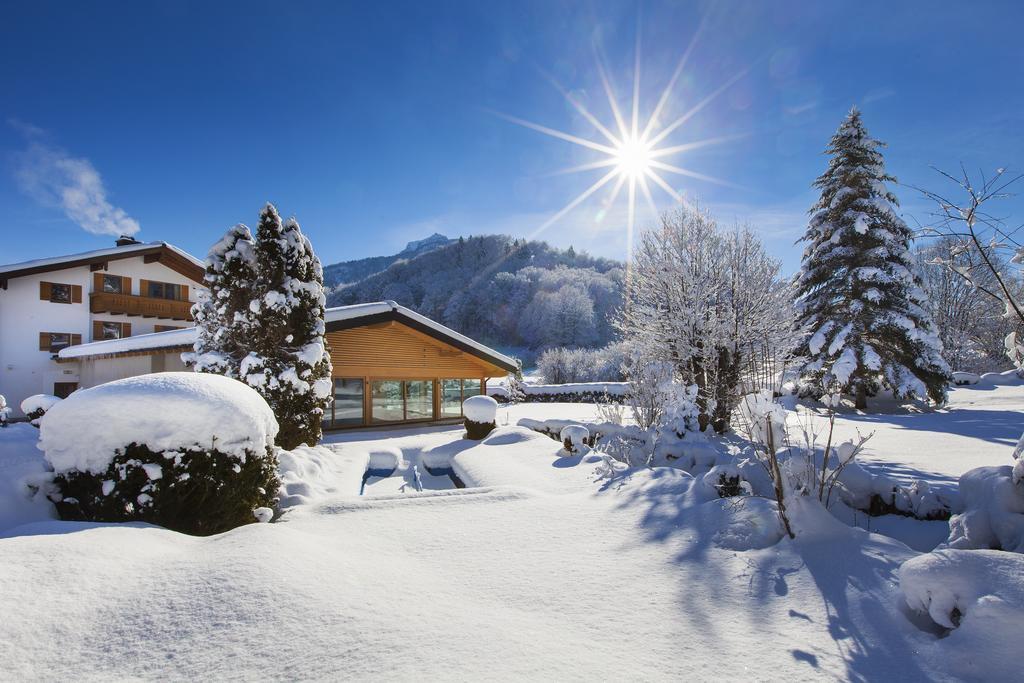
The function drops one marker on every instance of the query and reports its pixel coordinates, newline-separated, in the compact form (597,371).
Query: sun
(633,159)
(630,153)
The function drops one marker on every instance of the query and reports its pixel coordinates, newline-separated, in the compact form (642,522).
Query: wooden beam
(93,267)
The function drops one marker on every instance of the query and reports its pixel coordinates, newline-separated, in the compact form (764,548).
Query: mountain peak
(432,242)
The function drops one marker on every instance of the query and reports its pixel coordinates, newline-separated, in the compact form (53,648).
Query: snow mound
(963,379)
(165,411)
(993,515)
(385,458)
(745,523)
(308,474)
(979,594)
(574,437)
(517,456)
(481,409)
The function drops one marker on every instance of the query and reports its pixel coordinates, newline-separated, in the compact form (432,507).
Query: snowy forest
(521,296)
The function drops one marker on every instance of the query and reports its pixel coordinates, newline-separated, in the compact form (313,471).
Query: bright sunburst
(635,152)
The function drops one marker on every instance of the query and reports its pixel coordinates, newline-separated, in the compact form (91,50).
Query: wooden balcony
(145,306)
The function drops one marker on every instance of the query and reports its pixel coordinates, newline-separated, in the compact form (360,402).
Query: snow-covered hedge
(480,413)
(189,451)
(635,446)
(580,392)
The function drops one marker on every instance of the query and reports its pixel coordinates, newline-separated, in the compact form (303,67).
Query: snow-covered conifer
(288,361)
(859,300)
(222,316)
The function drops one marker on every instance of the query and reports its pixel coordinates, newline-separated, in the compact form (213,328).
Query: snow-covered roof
(43,265)
(170,339)
(391,310)
(340,317)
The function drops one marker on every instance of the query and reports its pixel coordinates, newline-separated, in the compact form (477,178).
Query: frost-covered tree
(221,312)
(976,245)
(288,362)
(706,303)
(858,298)
(970,323)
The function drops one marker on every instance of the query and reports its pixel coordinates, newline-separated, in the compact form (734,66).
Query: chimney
(126,241)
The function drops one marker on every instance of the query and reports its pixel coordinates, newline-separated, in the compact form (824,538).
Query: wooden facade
(401,374)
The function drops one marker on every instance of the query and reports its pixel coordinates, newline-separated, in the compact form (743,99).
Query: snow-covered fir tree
(288,361)
(858,298)
(221,312)
(261,321)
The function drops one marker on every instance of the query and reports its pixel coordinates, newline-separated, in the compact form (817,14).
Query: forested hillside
(506,292)
(348,272)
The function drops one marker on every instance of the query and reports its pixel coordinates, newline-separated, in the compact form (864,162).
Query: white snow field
(541,568)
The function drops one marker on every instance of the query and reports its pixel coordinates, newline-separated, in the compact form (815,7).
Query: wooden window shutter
(44,341)
(97,282)
(97,330)
(126,329)
(76,339)
(182,292)
(44,291)
(76,294)
(143,287)
(126,285)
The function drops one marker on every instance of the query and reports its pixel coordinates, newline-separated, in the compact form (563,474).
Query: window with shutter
(58,293)
(52,342)
(113,284)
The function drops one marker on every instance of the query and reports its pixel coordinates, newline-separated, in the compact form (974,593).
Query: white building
(51,304)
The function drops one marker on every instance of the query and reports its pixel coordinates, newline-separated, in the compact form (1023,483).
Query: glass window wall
(386,399)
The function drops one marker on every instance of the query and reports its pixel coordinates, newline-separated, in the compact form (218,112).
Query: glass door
(386,401)
(419,399)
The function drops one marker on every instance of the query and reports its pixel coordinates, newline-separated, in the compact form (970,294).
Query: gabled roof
(338,318)
(169,255)
(360,315)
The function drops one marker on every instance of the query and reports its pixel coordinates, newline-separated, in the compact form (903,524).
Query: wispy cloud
(54,178)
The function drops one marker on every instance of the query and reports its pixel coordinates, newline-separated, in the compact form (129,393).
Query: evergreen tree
(858,297)
(288,361)
(221,312)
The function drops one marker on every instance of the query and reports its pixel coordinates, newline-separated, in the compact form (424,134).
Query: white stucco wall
(24,369)
(102,370)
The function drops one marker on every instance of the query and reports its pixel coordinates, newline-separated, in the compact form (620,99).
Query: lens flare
(635,152)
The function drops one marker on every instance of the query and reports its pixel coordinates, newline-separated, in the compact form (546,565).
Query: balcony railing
(146,306)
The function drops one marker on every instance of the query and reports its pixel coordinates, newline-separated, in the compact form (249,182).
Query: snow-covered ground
(539,568)
(980,426)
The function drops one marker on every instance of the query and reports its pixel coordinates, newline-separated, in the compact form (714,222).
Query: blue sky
(374,123)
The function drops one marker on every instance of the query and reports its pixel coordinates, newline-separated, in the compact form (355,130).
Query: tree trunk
(862,397)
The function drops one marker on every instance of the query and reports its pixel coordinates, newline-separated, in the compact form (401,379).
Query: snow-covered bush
(4,411)
(480,416)
(189,451)
(566,366)
(979,592)
(575,438)
(993,514)
(727,480)
(263,322)
(37,405)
